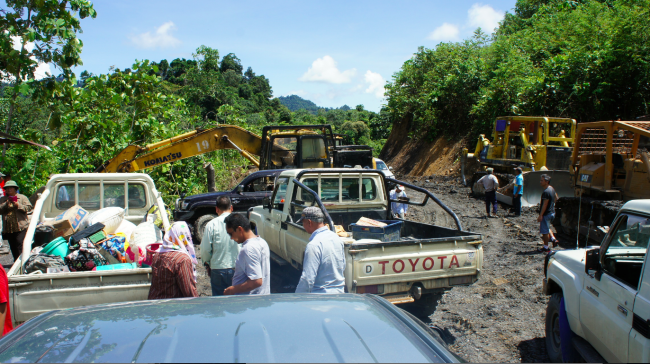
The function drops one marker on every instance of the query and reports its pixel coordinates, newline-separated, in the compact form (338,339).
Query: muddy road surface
(501,317)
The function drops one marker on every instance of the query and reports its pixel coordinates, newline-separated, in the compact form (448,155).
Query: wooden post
(210,173)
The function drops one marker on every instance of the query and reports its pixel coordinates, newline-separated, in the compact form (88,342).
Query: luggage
(43,261)
(43,235)
(85,233)
(111,217)
(84,259)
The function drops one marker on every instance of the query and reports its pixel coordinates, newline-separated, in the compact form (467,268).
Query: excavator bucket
(560,180)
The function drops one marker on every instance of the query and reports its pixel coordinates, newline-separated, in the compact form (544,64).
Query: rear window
(90,195)
(349,191)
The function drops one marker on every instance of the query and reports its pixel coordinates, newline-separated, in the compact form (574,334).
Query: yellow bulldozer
(536,144)
(610,164)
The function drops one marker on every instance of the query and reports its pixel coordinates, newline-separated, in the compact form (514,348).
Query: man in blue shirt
(518,190)
(324,261)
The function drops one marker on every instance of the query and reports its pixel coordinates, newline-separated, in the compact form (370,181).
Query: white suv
(387,171)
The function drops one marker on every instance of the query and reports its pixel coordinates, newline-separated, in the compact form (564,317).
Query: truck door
(639,345)
(607,305)
(252,193)
(272,224)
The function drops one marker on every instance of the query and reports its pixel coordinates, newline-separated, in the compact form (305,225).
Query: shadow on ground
(533,351)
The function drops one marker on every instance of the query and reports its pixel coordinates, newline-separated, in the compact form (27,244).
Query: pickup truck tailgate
(435,263)
(31,295)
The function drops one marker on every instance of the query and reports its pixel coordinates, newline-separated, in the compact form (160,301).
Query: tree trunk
(210,172)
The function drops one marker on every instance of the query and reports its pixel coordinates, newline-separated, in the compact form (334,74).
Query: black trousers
(15,242)
(491,199)
(516,200)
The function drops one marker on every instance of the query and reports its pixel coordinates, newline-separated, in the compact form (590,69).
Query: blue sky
(333,53)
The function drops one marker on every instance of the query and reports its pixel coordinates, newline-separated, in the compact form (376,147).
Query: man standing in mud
(546,210)
(491,184)
(518,190)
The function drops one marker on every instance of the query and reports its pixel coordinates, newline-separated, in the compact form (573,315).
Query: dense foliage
(587,59)
(295,103)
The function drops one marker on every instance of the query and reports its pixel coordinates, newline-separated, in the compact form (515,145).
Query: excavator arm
(134,158)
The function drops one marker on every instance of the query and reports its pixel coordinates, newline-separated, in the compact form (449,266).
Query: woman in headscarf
(174,266)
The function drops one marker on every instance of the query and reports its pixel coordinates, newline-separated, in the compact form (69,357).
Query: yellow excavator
(279,147)
(536,144)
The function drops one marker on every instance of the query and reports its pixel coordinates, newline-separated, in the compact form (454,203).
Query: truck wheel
(553,339)
(199,226)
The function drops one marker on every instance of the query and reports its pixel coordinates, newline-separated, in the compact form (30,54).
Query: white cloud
(161,38)
(445,32)
(484,16)
(325,70)
(42,69)
(375,83)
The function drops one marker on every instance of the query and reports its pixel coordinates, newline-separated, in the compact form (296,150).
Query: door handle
(622,310)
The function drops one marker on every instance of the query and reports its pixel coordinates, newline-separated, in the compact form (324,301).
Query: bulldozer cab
(611,159)
(287,147)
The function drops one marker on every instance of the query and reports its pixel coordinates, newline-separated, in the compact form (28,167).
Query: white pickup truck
(599,307)
(425,258)
(33,294)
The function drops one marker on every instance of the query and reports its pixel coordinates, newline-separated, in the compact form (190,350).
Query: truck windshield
(381,165)
(627,249)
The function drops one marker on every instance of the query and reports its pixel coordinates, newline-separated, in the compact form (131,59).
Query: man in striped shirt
(172,276)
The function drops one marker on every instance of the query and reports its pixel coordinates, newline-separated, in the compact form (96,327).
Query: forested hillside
(586,59)
(295,103)
(87,120)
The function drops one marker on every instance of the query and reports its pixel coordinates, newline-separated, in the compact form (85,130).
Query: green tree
(45,31)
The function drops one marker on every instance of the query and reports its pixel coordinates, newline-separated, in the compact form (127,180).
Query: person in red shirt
(5,311)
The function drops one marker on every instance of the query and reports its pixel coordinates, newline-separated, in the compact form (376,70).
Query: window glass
(625,254)
(259,185)
(89,196)
(350,189)
(65,197)
(280,193)
(137,196)
(284,152)
(313,148)
(381,165)
(114,195)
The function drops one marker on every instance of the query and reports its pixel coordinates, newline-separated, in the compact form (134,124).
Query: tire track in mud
(500,318)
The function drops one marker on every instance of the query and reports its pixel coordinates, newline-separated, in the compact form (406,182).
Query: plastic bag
(126,228)
(111,217)
(115,245)
(43,261)
(144,234)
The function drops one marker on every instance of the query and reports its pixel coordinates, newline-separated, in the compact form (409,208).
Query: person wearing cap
(324,260)
(518,190)
(491,184)
(14,209)
(398,209)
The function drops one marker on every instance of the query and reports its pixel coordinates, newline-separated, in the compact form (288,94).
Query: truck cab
(604,293)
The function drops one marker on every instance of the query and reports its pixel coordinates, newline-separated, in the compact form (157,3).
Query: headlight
(184,205)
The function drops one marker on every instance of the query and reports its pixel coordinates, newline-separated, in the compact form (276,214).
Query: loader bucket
(560,180)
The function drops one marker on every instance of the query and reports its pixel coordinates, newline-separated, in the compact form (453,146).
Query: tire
(553,339)
(199,226)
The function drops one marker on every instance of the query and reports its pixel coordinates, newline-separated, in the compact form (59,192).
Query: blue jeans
(220,279)
(545,225)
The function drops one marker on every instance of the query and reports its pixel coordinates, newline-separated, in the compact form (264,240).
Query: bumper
(183,215)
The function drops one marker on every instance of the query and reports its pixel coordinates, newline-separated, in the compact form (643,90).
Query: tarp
(8,139)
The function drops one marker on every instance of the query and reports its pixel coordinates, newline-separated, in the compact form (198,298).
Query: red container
(152,249)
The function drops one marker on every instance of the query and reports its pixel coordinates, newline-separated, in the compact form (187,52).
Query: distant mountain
(295,103)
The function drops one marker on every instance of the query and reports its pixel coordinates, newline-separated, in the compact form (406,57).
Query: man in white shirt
(323,265)
(491,184)
(218,251)
(398,209)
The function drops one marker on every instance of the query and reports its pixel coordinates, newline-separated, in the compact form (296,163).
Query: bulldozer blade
(560,181)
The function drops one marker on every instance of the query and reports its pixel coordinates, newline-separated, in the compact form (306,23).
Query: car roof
(250,328)
(642,206)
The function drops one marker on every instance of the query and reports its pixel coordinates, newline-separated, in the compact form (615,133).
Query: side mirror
(240,189)
(182,195)
(592,262)
(266,202)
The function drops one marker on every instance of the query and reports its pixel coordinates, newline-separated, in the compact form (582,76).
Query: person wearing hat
(323,264)
(14,209)
(518,190)
(398,209)
(491,184)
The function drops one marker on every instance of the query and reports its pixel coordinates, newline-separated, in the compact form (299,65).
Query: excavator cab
(288,147)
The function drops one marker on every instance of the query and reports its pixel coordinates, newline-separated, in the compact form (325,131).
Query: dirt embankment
(423,157)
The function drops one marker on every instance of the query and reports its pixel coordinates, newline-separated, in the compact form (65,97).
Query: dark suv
(198,210)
